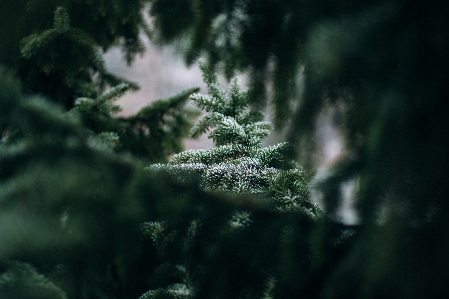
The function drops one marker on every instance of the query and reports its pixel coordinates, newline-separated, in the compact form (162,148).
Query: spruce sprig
(237,163)
(228,114)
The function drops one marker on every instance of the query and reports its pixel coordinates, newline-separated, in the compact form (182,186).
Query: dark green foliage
(72,211)
(153,134)
(212,250)
(55,47)
(21,281)
(72,208)
(67,57)
(385,64)
(71,205)
(157,130)
(59,54)
(64,204)
(265,38)
(391,75)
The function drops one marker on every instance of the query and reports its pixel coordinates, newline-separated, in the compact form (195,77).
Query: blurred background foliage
(57,52)
(382,64)
(55,49)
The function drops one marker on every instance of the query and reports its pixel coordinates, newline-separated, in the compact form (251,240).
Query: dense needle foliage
(192,246)
(56,51)
(238,163)
(81,218)
(55,47)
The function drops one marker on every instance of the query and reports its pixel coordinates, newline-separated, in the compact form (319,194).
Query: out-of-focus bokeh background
(161,73)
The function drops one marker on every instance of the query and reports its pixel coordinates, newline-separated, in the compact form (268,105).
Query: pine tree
(237,163)
(234,247)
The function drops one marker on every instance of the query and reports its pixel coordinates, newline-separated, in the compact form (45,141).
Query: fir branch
(250,116)
(62,20)
(210,78)
(112,95)
(237,163)
(237,99)
(275,155)
(209,156)
(31,43)
(229,132)
(210,120)
(207,103)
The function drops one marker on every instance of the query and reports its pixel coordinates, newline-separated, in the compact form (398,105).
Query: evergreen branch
(183,96)
(207,103)
(211,120)
(259,131)
(35,41)
(111,95)
(162,106)
(274,155)
(174,291)
(108,79)
(243,175)
(237,100)
(20,280)
(211,81)
(104,102)
(229,131)
(210,156)
(62,20)
(237,163)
